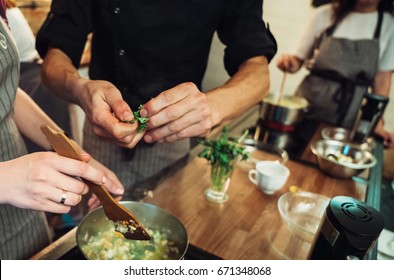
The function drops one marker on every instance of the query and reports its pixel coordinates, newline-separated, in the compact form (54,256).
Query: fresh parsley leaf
(141,120)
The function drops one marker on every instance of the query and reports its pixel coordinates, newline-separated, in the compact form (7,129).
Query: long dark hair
(343,7)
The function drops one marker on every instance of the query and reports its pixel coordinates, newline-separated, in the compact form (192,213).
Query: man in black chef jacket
(153,53)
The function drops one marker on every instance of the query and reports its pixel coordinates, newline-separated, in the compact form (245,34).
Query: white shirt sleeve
(319,20)
(23,35)
(386,58)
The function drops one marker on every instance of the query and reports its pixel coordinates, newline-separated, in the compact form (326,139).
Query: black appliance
(293,139)
(348,230)
(371,111)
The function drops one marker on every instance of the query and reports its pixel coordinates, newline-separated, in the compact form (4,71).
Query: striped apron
(23,232)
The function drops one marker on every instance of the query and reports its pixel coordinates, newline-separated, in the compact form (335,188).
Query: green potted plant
(221,153)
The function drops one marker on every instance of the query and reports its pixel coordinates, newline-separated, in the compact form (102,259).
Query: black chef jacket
(146,46)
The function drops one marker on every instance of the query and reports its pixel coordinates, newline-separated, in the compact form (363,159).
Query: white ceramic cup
(269,176)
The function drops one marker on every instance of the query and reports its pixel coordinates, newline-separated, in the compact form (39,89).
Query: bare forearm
(60,75)
(29,117)
(382,86)
(382,83)
(245,89)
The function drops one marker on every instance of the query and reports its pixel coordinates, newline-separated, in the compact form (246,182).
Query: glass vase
(220,181)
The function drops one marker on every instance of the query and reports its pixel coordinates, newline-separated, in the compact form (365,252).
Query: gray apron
(23,232)
(139,169)
(340,74)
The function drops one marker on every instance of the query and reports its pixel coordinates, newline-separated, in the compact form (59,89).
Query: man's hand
(108,113)
(178,113)
(101,101)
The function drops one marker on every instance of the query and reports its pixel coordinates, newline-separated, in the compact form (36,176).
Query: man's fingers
(167,98)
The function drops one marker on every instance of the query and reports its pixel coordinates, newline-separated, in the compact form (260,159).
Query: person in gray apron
(342,69)
(340,75)
(30,184)
(22,232)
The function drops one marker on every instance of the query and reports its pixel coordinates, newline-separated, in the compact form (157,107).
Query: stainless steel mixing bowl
(330,152)
(344,135)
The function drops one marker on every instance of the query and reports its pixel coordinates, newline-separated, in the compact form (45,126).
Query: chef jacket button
(117,10)
(122,52)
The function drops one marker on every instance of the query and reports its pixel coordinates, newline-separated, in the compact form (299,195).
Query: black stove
(294,140)
(192,253)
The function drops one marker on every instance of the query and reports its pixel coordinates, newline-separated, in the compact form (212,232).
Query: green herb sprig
(223,151)
(141,120)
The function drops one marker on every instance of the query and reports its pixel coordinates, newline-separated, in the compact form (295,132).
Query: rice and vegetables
(112,245)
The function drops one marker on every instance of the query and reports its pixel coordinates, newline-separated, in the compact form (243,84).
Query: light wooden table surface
(248,225)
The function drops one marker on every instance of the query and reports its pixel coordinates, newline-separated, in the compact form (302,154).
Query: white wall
(286,19)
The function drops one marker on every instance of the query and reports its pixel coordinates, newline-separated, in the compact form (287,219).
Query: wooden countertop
(248,226)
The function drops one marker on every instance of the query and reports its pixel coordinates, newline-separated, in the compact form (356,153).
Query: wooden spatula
(121,216)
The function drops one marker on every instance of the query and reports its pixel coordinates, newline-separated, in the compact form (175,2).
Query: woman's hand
(46,181)
(388,138)
(289,63)
(112,184)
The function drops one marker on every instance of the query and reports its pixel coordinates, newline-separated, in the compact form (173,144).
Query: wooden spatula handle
(103,195)
(65,147)
(61,143)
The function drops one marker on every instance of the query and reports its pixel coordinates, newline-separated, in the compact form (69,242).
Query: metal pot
(150,216)
(289,110)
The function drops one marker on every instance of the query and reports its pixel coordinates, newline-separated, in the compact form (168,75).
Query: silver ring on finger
(63,198)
